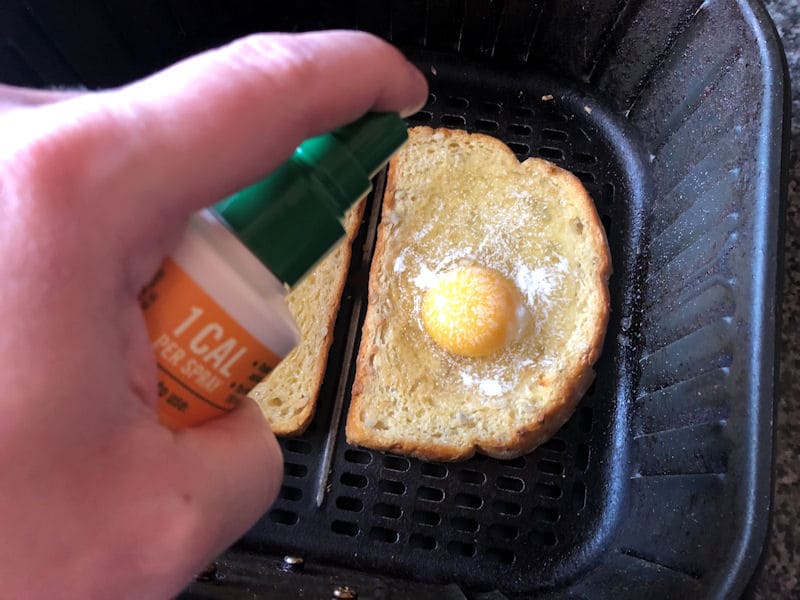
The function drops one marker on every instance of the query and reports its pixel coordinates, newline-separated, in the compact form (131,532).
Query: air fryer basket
(673,115)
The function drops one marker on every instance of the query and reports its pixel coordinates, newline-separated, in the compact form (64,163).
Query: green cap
(293,217)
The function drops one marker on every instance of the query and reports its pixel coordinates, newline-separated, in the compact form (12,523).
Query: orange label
(205,358)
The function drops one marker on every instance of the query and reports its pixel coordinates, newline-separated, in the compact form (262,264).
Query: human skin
(98,500)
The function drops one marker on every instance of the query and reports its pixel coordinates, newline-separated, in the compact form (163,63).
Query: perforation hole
(511,484)
(389,511)
(396,463)
(344,528)
(515,463)
(501,555)
(585,413)
(422,542)
(555,135)
(434,470)
(523,113)
(550,466)
(486,125)
(543,538)
(584,176)
(521,149)
(519,129)
(582,457)
(554,115)
(555,445)
(472,477)
(584,158)
(294,470)
(468,501)
(578,496)
(503,507)
(430,494)
(551,153)
(283,517)
(390,486)
(548,490)
(426,517)
(491,107)
(349,504)
(358,457)
(457,102)
(465,525)
(382,534)
(608,192)
(431,98)
(422,116)
(297,446)
(464,549)
(454,121)
(543,513)
(353,480)
(292,494)
(506,532)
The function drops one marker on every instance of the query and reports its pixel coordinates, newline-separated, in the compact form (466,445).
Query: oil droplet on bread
(471,311)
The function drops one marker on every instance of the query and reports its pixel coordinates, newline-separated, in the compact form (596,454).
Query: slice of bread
(288,395)
(452,199)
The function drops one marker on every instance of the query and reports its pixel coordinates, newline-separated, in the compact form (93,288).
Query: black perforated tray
(673,115)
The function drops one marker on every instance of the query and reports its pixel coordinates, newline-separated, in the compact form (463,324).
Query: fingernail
(421,82)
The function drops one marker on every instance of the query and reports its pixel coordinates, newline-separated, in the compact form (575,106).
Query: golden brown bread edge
(579,379)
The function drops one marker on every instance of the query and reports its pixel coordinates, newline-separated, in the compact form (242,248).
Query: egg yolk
(471,311)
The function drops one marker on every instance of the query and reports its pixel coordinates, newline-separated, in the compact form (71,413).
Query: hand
(98,500)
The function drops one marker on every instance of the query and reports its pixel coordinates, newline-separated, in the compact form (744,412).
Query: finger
(217,122)
(12,97)
(238,468)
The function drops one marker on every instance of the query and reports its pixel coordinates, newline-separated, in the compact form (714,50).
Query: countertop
(779,576)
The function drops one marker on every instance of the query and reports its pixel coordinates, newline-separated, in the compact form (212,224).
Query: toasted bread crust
(573,383)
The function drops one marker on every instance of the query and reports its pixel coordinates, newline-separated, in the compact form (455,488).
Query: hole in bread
(430,494)
(584,158)
(390,486)
(283,517)
(465,525)
(519,149)
(294,470)
(543,513)
(454,121)
(382,534)
(422,542)
(582,457)
(275,402)
(542,538)
(551,153)
(506,532)
(434,470)
(550,466)
(501,555)
(506,508)
(353,480)
(577,225)
(396,463)
(457,102)
(349,504)
(486,125)
(381,426)
(548,490)
(519,129)
(578,496)
(584,176)
(422,116)
(472,477)
(511,484)
(344,528)
(555,135)
(297,446)
(389,511)
(426,517)
(358,457)
(461,549)
(468,501)
(290,493)
(491,107)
